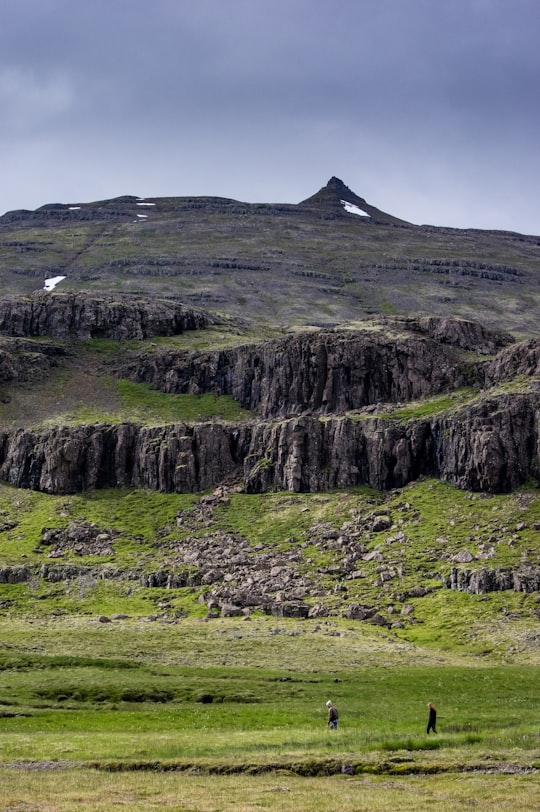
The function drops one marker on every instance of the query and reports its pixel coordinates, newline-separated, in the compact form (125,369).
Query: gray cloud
(428,110)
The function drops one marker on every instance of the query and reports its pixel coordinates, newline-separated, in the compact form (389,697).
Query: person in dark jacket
(333,716)
(432,719)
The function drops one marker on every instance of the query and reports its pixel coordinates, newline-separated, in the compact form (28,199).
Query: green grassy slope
(430,523)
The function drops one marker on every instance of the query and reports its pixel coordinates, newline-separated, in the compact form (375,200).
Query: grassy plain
(158,708)
(227,713)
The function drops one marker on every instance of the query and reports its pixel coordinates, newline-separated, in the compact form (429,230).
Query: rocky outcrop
(468,335)
(519,359)
(84,316)
(491,446)
(172,459)
(479,582)
(21,359)
(81,538)
(327,372)
(15,575)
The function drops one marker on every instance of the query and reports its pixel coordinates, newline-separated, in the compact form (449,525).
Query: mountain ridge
(329,260)
(331,197)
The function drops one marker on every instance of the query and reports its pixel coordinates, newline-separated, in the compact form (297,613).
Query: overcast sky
(429,109)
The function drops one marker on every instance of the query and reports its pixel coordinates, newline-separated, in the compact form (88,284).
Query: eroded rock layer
(83,316)
(325,405)
(490,446)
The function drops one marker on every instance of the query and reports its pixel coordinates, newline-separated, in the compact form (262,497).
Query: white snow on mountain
(51,283)
(352,209)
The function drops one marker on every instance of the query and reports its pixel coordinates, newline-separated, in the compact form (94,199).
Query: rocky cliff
(325,402)
(83,316)
(490,446)
(521,359)
(328,372)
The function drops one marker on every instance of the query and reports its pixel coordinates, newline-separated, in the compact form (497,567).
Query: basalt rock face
(492,446)
(519,359)
(83,316)
(479,582)
(178,458)
(326,372)
(307,390)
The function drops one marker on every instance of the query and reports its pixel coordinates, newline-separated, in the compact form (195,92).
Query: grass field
(70,790)
(219,714)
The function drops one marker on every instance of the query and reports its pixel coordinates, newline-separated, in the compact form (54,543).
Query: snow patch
(142,216)
(352,209)
(74,208)
(51,283)
(146,204)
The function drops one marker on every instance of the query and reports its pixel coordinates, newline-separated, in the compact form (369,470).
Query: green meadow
(161,715)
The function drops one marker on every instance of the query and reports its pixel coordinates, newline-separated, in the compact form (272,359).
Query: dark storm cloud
(428,110)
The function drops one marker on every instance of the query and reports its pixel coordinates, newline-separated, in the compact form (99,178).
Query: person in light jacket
(333,716)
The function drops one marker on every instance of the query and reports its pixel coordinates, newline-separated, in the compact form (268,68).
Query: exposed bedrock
(172,459)
(84,316)
(468,335)
(518,359)
(327,372)
(492,446)
(478,582)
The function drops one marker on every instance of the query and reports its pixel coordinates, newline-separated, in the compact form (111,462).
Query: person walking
(432,719)
(333,716)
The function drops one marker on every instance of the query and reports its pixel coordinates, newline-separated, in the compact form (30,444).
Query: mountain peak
(336,199)
(337,185)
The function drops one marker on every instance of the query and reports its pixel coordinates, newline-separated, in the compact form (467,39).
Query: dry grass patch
(81,790)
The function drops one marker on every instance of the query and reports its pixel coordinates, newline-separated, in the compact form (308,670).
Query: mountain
(208,354)
(337,200)
(333,259)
